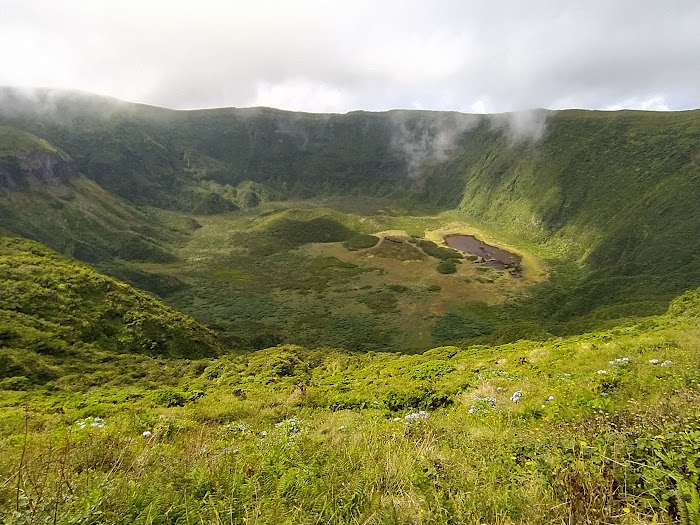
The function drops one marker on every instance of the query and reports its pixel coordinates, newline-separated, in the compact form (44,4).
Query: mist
(422,139)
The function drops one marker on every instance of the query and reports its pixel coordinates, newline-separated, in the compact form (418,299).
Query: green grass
(289,435)
(52,307)
(264,227)
(15,142)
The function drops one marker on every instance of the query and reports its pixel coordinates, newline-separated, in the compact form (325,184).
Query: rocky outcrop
(41,168)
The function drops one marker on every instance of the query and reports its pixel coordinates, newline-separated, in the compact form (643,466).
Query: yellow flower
(513,458)
(659,436)
(583,444)
(529,462)
(626,510)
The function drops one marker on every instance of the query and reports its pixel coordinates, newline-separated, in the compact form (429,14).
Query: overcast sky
(333,55)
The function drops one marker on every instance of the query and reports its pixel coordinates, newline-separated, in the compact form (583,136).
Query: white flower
(263,433)
(620,360)
(396,419)
(654,361)
(341,427)
(601,372)
(421,414)
(146,434)
(550,398)
(516,396)
(667,363)
(92,422)
(500,389)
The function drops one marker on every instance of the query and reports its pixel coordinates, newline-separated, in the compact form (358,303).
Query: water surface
(491,255)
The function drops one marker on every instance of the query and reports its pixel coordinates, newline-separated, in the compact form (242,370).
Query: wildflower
(91,422)
(290,428)
(626,510)
(500,389)
(146,434)
(544,406)
(341,427)
(421,414)
(516,396)
(667,363)
(550,398)
(654,361)
(240,427)
(601,372)
(583,443)
(396,419)
(659,436)
(263,433)
(513,458)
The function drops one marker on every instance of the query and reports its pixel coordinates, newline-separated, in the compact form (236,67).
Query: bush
(447,266)
(15,383)
(170,398)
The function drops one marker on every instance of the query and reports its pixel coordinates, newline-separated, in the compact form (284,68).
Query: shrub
(447,266)
(15,383)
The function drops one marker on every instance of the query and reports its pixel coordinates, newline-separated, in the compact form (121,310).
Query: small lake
(492,256)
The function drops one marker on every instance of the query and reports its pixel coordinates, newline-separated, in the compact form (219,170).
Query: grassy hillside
(569,389)
(608,198)
(53,311)
(43,197)
(597,428)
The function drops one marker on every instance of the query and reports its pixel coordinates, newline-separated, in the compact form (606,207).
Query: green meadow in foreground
(597,428)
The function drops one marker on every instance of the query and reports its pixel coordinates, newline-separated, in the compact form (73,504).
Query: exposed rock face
(45,168)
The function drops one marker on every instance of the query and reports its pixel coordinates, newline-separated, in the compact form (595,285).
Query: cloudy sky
(472,56)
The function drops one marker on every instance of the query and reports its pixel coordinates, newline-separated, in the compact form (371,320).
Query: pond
(491,256)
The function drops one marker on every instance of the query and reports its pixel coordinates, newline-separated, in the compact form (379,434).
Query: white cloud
(656,103)
(299,95)
(337,56)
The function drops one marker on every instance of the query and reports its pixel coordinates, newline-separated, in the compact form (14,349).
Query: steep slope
(617,191)
(53,310)
(45,198)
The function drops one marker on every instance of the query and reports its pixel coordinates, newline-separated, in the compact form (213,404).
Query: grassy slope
(288,435)
(80,219)
(53,310)
(617,191)
(608,196)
